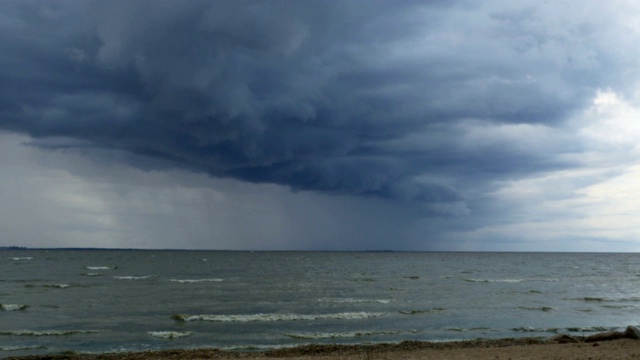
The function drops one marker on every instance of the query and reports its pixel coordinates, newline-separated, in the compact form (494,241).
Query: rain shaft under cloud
(424,104)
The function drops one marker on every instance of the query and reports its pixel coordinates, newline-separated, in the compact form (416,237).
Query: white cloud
(567,209)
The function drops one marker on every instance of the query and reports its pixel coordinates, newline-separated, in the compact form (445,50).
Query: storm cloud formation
(414,101)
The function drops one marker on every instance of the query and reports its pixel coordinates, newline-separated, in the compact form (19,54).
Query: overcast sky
(322,125)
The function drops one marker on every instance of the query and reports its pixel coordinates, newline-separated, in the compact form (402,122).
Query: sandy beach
(525,348)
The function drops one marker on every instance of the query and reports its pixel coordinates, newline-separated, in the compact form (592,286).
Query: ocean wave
(275,317)
(133,277)
(494,280)
(421,311)
(169,334)
(12,307)
(356,301)
(189,281)
(58,286)
(459,329)
(46,332)
(100,267)
(91,274)
(616,306)
(508,280)
(608,299)
(536,308)
(588,329)
(533,329)
(19,348)
(20,258)
(349,334)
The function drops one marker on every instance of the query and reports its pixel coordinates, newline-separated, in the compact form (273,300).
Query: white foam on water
(356,301)
(509,280)
(91,274)
(189,281)
(495,280)
(349,334)
(133,277)
(12,307)
(46,332)
(18,348)
(589,329)
(59,286)
(169,334)
(533,329)
(20,258)
(99,267)
(461,329)
(276,317)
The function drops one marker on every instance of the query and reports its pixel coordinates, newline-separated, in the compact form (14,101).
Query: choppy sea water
(104,301)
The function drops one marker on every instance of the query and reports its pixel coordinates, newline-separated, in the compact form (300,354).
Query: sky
(320,125)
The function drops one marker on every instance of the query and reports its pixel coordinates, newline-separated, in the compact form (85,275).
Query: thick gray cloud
(422,103)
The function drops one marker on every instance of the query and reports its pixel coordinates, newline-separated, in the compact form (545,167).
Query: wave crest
(13,307)
(349,334)
(46,332)
(275,317)
(169,334)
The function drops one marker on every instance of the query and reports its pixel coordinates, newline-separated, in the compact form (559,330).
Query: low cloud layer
(430,106)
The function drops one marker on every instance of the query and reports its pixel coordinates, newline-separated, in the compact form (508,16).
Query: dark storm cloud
(368,98)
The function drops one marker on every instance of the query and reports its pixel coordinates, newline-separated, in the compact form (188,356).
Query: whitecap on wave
(169,334)
(133,277)
(508,280)
(494,280)
(189,281)
(588,329)
(275,317)
(91,274)
(12,307)
(100,267)
(349,334)
(18,348)
(59,286)
(460,329)
(533,329)
(46,332)
(356,301)
(20,258)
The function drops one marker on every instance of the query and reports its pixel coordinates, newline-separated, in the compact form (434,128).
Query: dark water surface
(99,301)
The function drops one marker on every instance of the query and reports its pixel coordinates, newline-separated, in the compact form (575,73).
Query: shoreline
(609,345)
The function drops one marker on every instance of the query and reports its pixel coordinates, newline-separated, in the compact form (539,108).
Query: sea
(95,301)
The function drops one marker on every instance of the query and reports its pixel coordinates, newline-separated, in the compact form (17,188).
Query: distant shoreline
(390,251)
(561,346)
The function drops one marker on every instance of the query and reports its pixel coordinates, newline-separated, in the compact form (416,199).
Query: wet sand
(525,348)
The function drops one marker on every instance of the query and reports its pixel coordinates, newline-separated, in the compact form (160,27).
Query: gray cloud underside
(366,98)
